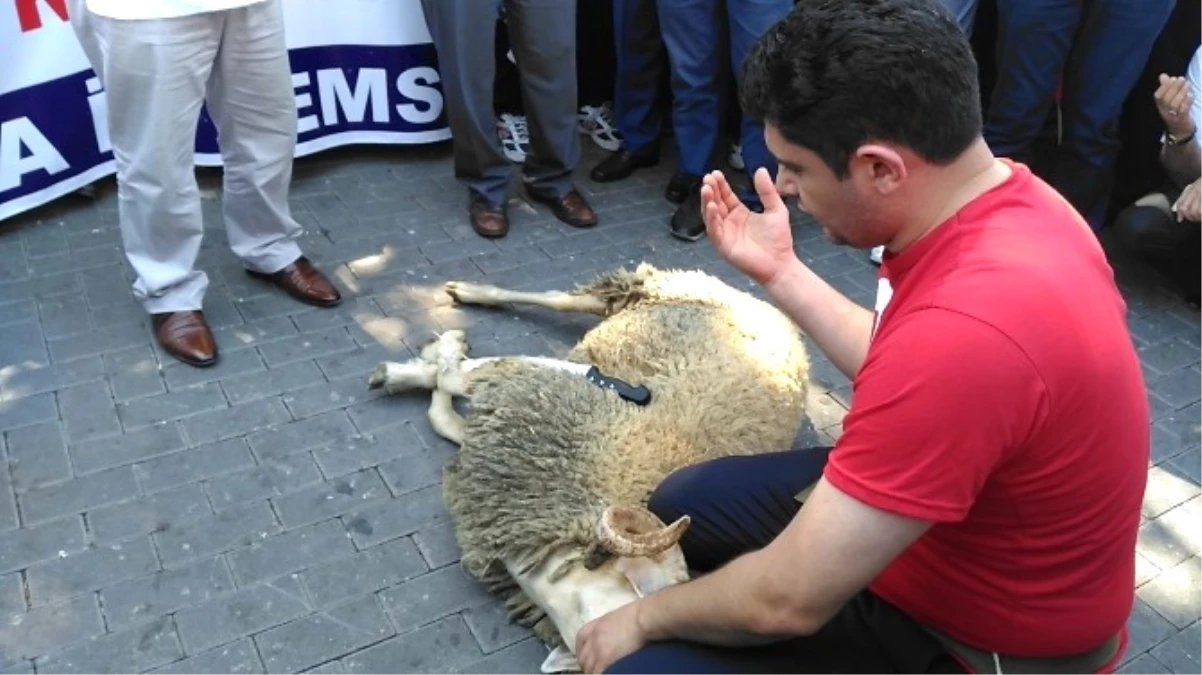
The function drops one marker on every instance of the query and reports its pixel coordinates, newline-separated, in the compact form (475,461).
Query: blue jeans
(688,31)
(1098,48)
(740,504)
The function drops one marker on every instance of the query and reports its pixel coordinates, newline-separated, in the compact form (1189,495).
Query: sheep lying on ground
(549,487)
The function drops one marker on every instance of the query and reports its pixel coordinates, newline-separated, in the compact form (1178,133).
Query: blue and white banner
(363,71)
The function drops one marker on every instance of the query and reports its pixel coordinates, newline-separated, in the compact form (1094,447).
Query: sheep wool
(545,451)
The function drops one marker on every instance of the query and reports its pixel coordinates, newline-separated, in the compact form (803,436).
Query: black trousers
(740,504)
(1149,229)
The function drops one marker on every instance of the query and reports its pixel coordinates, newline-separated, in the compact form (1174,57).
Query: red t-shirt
(1002,399)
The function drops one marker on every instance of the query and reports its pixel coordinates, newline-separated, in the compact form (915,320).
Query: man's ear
(560,660)
(879,167)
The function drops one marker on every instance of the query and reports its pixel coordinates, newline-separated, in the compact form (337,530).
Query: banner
(363,71)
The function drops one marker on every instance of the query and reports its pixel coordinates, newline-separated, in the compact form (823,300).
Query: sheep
(549,487)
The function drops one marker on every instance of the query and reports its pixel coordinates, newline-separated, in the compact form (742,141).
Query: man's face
(848,213)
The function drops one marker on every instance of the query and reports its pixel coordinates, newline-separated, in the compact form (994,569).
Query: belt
(991,662)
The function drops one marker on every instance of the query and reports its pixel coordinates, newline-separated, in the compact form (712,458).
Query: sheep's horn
(630,532)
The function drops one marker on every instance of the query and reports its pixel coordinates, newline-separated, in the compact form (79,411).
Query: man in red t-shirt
(980,509)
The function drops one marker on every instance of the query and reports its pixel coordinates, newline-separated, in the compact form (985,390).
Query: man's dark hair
(835,74)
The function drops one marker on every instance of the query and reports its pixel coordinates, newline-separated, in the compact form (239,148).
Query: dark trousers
(687,33)
(1097,48)
(595,60)
(740,504)
(1149,229)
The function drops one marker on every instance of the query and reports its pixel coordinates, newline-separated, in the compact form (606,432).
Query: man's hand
(1173,101)
(759,245)
(605,640)
(1189,204)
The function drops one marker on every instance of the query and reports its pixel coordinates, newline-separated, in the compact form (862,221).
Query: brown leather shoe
(186,336)
(488,220)
(572,208)
(304,282)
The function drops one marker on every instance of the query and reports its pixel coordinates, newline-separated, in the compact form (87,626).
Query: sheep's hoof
(467,293)
(378,377)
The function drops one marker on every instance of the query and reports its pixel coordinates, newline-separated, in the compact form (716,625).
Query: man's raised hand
(758,244)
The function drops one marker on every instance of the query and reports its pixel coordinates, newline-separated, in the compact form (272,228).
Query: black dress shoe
(687,223)
(621,164)
(680,186)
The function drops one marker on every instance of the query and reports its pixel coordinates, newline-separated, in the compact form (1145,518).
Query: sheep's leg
(444,419)
(395,377)
(446,354)
(560,301)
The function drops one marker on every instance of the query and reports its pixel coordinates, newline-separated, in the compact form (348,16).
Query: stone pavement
(272,514)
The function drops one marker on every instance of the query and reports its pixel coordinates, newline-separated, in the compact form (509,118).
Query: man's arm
(841,328)
(834,547)
(1183,161)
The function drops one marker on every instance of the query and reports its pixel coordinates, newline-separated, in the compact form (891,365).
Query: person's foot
(488,220)
(598,122)
(303,282)
(621,164)
(687,223)
(680,186)
(186,336)
(572,208)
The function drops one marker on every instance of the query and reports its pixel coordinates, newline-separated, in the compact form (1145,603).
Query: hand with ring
(1173,101)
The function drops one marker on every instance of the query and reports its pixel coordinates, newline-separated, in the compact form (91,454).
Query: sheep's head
(635,554)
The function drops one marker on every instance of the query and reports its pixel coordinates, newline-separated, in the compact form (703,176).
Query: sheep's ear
(645,575)
(560,660)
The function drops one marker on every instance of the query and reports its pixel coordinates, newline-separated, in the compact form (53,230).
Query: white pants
(157,74)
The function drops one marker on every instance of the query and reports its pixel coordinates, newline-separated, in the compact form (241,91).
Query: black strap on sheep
(639,395)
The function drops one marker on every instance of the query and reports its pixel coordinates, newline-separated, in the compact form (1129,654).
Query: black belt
(982,661)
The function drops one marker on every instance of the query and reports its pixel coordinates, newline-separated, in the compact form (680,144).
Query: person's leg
(1034,38)
(154,75)
(543,36)
(463,31)
(1149,230)
(736,504)
(1108,54)
(690,30)
(595,53)
(749,20)
(638,105)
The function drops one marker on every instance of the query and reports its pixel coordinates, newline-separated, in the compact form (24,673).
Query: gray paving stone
(325,429)
(1176,593)
(1173,536)
(331,668)
(361,451)
(397,517)
(238,420)
(1142,664)
(37,455)
(523,657)
(173,405)
(29,380)
(64,315)
(19,311)
(1180,653)
(21,548)
(416,467)
(153,513)
(133,650)
(240,614)
(133,446)
(235,658)
(422,600)
(24,345)
(240,525)
(88,411)
(243,388)
(289,552)
(326,396)
(1166,490)
(23,412)
(236,362)
(12,596)
(332,498)
(490,624)
(181,468)
(115,338)
(78,495)
(438,544)
(269,479)
(18,668)
(42,630)
(1146,629)
(91,569)
(441,647)
(362,573)
(307,346)
(1179,388)
(328,634)
(135,601)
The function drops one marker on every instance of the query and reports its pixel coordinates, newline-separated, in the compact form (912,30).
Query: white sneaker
(598,122)
(735,158)
(514,137)
(876,254)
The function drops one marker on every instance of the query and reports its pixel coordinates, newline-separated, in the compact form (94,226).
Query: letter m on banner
(30,18)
